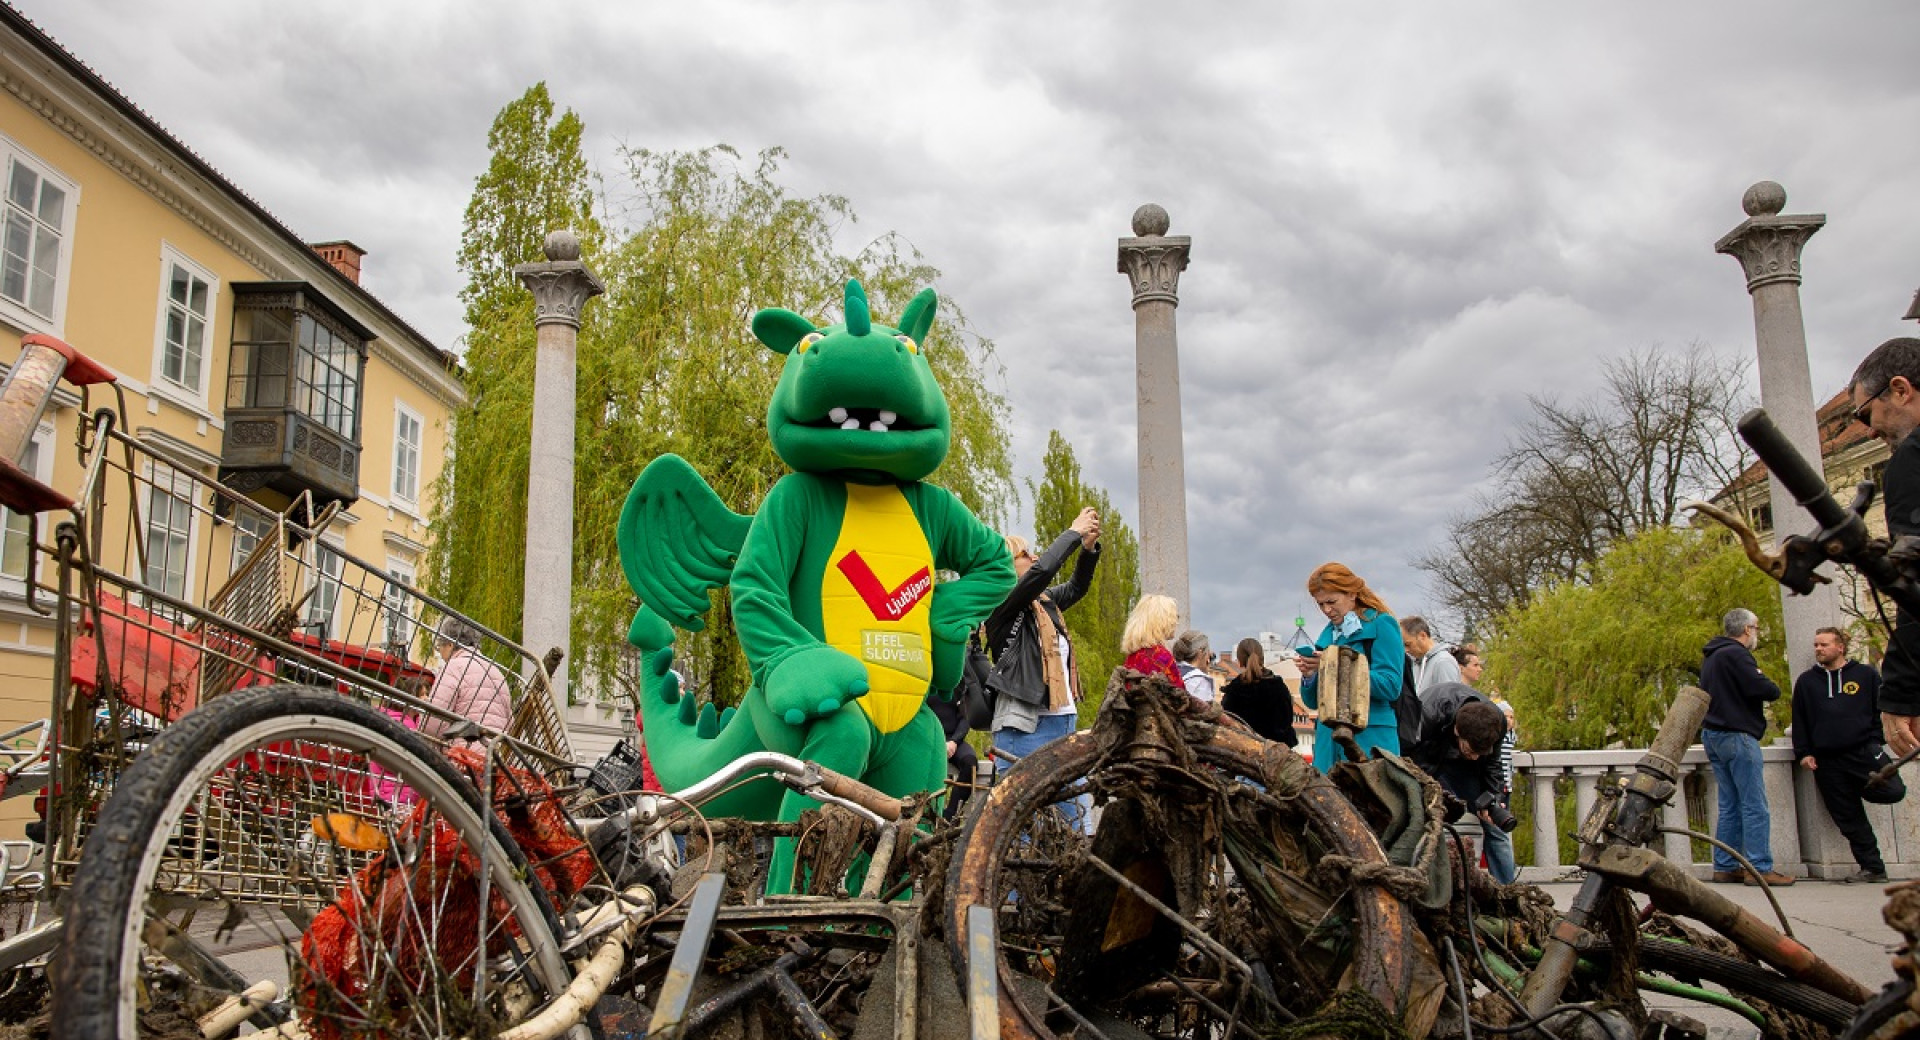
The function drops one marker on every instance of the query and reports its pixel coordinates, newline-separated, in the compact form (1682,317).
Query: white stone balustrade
(1805,841)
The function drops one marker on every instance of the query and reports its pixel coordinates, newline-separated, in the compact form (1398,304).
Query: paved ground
(1841,923)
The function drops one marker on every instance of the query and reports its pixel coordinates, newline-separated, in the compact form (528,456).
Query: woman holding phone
(1359,618)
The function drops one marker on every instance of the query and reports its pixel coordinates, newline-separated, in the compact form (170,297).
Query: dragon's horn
(859,318)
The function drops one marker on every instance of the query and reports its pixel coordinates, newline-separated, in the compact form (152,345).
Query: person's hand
(1307,665)
(1486,818)
(1087,526)
(1809,763)
(1902,732)
(951,749)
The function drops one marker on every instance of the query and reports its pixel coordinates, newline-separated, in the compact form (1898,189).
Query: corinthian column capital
(562,285)
(1152,261)
(1767,244)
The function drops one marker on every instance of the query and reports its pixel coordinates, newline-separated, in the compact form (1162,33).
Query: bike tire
(1739,977)
(235,779)
(981,857)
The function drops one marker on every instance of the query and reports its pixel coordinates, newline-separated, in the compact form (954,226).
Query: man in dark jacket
(1736,720)
(1036,675)
(1460,733)
(1886,399)
(1836,733)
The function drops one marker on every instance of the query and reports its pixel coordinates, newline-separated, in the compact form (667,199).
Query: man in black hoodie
(1836,731)
(1736,720)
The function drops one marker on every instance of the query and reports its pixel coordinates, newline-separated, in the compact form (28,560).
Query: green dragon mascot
(837,583)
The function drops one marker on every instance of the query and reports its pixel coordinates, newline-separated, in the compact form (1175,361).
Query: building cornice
(51,83)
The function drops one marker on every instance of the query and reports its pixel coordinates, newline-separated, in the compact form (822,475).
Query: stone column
(1768,247)
(1152,263)
(561,287)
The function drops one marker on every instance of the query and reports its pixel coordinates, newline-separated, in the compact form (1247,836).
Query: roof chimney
(344,256)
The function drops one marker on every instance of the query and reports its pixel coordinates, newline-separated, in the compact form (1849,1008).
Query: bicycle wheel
(1076,944)
(290,835)
(1742,978)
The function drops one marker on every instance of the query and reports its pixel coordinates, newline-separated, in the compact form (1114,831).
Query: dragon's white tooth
(838,415)
(889,418)
(878,427)
(850,424)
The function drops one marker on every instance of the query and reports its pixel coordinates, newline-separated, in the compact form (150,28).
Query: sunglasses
(1864,414)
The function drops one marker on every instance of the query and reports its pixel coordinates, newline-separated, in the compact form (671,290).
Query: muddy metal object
(669,1015)
(1635,819)
(1176,766)
(1678,892)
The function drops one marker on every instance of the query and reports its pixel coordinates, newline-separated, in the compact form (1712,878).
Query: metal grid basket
(171,590)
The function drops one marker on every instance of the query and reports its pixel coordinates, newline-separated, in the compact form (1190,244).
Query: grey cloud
(1403,223)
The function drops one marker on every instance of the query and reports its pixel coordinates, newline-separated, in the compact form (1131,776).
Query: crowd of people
(1025,674)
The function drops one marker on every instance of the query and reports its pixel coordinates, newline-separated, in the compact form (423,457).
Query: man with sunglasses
(1886,400)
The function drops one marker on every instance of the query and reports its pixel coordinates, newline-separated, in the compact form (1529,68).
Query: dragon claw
(829,705)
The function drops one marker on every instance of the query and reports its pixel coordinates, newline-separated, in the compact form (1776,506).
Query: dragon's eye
(912,347)
(806,342)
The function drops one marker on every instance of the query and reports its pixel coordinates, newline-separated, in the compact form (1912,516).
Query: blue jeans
(1744,821)
(1049,729)
(1499,848)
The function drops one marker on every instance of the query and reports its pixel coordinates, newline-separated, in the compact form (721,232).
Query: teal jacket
(1378,638)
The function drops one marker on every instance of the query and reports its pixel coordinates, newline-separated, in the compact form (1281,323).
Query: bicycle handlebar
(1806,485)
(1683,721)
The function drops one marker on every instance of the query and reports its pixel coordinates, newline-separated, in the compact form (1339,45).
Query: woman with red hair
(1359,618)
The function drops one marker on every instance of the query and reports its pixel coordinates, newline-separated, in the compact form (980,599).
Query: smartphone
(1306,651)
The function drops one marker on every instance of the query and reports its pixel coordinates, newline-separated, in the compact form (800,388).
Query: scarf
(1063,677)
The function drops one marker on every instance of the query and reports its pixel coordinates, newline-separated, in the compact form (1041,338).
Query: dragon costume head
(856,399)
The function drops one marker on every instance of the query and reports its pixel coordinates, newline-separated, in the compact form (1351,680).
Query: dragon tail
(687,742)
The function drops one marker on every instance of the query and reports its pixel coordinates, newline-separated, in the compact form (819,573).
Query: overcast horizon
(1404,221)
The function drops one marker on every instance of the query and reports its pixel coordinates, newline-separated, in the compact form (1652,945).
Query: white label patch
(900,651)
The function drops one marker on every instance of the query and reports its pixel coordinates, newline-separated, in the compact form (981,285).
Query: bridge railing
(1804,841)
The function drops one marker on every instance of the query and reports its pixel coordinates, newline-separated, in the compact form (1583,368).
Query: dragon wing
(677,542)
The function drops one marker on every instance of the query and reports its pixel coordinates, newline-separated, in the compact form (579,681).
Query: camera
(1501,816)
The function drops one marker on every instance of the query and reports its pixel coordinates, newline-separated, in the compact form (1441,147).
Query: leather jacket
(1013,640)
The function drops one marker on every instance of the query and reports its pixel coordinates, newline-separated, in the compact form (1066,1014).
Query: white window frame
(174,481)
(19,314)
(243,516)
(398,625)
(329,622)
(408,499)
(193,395)
(42,470)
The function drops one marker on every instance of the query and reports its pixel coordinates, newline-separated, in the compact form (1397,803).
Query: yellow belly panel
(876,599)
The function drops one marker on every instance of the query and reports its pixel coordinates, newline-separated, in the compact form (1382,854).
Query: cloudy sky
(1405,218)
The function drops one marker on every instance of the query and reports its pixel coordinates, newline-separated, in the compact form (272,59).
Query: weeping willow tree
(696,241)
(1597,660)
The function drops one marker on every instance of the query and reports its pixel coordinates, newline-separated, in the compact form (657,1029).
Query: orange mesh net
(402,937)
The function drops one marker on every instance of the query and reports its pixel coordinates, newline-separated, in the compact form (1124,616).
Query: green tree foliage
(697,241)
(1096,623)
(1596,660)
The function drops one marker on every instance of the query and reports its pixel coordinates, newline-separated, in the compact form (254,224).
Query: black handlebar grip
(1802,481)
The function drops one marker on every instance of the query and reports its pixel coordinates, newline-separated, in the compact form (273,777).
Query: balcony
(293,393)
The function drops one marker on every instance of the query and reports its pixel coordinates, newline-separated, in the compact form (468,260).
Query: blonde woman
(1152,623)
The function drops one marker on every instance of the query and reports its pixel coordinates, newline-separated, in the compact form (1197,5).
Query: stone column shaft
(1768,247)
(1152,262)
(561,287)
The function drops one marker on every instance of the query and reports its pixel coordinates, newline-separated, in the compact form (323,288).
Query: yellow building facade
(245,355)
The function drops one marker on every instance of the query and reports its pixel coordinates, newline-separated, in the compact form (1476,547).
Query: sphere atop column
(1764,199)
(1150,219)
(562,245)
